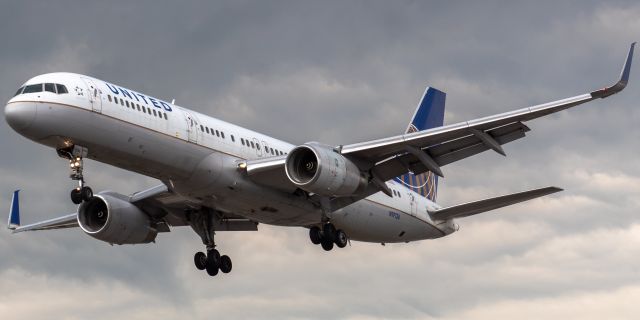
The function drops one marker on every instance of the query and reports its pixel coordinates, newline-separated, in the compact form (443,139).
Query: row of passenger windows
(256,145)
(40,87)
(396,193)
(216,133)
(134,106)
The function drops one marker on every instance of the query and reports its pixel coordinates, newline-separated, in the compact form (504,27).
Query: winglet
(624,78)
(14,212)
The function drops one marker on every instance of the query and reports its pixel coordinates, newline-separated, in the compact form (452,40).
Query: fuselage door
(94,95)
(414,204)
(192,127)
(258,147)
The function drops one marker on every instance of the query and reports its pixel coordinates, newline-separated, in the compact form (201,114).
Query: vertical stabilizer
(429,114)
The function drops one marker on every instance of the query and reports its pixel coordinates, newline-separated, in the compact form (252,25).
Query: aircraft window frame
(165,116)
(138,105)
(154,113)
(19,91)
(149,110)
(233,139)
(202,128)
(222,134)
(207,129)
(252,144)
(61,88)
(144,110)
(127,103)
(52,87)
(109,96)
(242,141)
(122,102)
(218,133)
(33,86)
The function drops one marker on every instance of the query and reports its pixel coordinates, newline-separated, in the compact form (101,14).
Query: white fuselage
(199,155)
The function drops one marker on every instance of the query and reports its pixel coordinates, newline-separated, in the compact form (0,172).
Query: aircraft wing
(67,221)
(429,150)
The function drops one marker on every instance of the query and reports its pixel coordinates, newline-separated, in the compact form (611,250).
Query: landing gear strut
(203,222)
(75,154)
(328,236)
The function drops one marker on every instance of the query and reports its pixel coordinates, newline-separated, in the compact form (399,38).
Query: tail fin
(429,114)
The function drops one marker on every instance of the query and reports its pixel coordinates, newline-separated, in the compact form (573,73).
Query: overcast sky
(341,72)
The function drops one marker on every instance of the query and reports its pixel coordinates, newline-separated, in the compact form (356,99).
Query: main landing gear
(203,222)
(75,154)
(328,236)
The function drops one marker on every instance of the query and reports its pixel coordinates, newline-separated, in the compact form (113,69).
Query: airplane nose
(20,115)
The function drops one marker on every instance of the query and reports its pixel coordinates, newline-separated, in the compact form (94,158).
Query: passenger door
(192,127)
(95,95)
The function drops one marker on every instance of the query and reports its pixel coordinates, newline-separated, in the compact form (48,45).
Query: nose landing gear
(75,154)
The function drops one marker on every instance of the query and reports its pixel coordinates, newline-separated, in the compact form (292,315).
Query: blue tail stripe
(429,114)
(14,215)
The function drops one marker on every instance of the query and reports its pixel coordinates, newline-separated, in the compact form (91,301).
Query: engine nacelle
(110,217)
(317,168)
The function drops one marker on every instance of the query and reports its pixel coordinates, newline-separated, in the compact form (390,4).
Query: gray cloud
(344,72)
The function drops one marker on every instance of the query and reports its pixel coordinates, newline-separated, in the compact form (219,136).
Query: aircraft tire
(225,264)
(327,244)
(200,259)
(86,193)
(213,258)
(315,235)
(341,239)
(212,270)
(76,197)
(328,232)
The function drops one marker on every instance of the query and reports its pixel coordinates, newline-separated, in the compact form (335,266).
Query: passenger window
(33,88)
(109,96)
(61,88)
(233,139)
(165,117)
(218,133)
(50,87)
(258,146)
(242,141)
(19,91)
(122,102)
(154,112)
(222,134)
(115,99)
(127,103)
(253,145)
(138,107)
(144,109)
(149,110)
(207,130)
(201,128)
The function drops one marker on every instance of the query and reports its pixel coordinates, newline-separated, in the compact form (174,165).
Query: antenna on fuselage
(173,101)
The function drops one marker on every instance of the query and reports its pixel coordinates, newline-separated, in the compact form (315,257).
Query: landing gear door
(94,95)
(192,127)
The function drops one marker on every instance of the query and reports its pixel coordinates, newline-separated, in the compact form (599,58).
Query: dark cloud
(344,72)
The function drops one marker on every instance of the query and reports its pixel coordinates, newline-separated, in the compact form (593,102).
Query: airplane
(216,176)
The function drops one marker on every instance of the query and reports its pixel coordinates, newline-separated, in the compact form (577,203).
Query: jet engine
(110,217)
(319,169)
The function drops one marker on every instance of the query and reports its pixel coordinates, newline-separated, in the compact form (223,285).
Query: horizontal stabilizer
(475,207)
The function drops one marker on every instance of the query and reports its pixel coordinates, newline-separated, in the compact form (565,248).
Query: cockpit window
(50,87)
(33,88)
(61,89)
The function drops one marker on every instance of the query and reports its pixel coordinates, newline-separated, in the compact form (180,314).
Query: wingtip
(14,211)
(622,81)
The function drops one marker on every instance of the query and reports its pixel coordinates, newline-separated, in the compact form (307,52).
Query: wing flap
(475,207)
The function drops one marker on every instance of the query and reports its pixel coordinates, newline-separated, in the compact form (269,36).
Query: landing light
(242,165)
